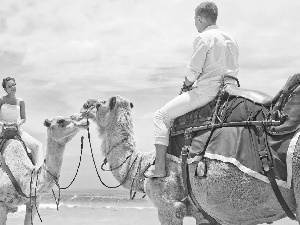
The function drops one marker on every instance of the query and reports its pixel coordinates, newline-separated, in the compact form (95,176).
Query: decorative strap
(184,156)
(188,135)
(188,189)
(278,194)
(211,220)
(267,166)
(18,137)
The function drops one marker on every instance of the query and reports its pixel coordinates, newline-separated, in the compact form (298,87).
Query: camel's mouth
(83,124)
(89,113)
(89,109)
(80,121)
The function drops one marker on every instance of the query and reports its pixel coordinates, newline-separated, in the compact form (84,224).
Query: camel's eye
(75,117)
(61,121)
(86,105)
(98,104)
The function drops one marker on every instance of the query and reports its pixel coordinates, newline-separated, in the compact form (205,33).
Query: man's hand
(186,86)
(183,89)
(187,82)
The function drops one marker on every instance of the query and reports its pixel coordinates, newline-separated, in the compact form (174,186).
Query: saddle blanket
(234,145)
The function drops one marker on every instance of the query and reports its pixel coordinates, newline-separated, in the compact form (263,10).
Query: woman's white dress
(11,113)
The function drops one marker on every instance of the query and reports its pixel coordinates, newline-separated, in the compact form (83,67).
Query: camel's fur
(227,194)
(60,130)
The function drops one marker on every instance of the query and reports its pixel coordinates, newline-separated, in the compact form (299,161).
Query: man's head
(206,14)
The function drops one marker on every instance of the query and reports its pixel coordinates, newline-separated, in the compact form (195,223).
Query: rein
(56,178)
(30,196)
(11,131)
(117,167)
(105,160)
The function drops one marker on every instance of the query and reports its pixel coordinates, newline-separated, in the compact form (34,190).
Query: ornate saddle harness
(216,115)
(12,132)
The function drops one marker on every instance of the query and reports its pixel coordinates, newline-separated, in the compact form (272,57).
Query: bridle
(56,178)
(136,159)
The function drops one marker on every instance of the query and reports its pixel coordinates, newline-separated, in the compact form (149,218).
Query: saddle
(237,104)
(12,132)
(256,111)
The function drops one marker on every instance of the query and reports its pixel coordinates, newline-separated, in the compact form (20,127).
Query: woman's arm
(1,103)
(22,113)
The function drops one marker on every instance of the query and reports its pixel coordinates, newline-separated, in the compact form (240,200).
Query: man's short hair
(208,10)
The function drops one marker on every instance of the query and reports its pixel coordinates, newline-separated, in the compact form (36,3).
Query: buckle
(263,155)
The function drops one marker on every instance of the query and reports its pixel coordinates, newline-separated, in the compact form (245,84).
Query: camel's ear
(47,122)
(112,103)
(131,104)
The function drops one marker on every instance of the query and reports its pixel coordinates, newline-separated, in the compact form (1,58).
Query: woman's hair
(5,80)
(208,10)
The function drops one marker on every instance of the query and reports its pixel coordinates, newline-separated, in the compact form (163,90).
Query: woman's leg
(164,117)
(35,147)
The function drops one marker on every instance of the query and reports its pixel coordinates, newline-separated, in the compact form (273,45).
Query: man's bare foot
(151,173)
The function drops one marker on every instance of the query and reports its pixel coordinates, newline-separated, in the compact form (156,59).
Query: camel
(60,130)
(227,194)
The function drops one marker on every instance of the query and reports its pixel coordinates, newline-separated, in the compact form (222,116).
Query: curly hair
(207,10)
(5,80)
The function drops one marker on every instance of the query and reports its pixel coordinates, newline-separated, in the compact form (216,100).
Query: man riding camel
(215,55)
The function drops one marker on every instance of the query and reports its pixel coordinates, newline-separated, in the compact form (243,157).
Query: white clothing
(215,53)
(180,105)
(11,113)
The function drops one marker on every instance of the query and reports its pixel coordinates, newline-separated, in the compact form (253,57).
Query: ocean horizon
(98,206)
(90,206)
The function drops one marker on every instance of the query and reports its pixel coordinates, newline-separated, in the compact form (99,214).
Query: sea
(98,207)
(91,207)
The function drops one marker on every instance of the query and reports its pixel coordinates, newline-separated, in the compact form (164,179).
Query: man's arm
(200,49)
(196,64)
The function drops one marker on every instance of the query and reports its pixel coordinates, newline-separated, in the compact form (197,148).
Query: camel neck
(124,161)
(54,158)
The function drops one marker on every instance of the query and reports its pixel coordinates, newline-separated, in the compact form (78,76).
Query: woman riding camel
(12,112)
(215,55)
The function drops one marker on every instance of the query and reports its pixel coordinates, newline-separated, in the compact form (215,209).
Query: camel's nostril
(97,105)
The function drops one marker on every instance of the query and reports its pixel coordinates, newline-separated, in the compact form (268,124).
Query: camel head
(63,128)
(115,111)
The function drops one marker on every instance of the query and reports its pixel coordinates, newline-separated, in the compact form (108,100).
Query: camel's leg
(168,218)
(30,214)
(172,214)
(3,215)
(201,221)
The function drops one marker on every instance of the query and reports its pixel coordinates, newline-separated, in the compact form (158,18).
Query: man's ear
(200,19)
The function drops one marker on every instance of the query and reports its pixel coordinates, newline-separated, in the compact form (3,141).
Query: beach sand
(79,216)
(84,216)
(99,208)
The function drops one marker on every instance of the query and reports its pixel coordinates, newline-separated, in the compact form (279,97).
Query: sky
(63,52)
